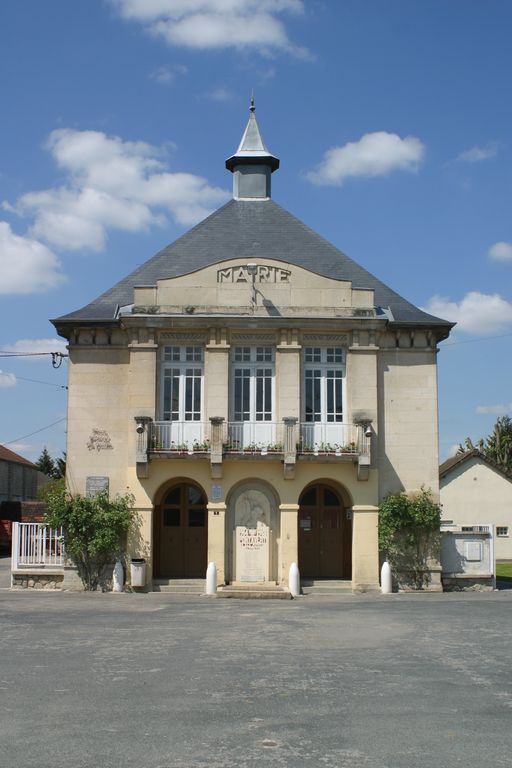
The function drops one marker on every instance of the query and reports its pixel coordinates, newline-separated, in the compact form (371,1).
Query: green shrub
(409,534)
(94,529)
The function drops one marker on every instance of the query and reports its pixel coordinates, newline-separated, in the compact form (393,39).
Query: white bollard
(211,579)
(294,580)
(118,577)
(386,583)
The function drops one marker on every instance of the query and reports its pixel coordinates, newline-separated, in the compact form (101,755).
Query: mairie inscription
(263,274)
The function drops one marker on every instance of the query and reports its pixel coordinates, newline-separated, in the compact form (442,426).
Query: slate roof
(251,229)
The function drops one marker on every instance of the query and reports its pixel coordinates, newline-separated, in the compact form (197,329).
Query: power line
(36,432)
(474,341)
(36,381)
(57,357)
(5,353)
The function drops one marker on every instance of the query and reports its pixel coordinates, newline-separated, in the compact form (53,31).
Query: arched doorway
(325,534)
(181,532)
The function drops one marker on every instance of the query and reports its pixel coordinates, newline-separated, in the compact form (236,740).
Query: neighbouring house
(20,481)
(475,491)
(258,392)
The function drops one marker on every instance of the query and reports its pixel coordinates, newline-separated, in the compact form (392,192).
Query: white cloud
(26,265)
(496,410)
(112,184)
(7,380)
(477,313)
(21,448)
(477,154)
(220,94)
(31,346)
(375,154)
(167,75)
(500,251)
(215,24)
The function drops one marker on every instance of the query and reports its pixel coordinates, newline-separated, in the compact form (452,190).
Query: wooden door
(325,535)
(183,532)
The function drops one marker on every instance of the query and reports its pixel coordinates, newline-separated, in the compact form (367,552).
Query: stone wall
(33,580)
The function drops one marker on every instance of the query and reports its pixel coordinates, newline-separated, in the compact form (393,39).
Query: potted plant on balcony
(202,446)
(179,447)
(231,446)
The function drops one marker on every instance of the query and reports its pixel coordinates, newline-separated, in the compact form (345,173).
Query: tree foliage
(497,447)
(409,526)
(93,529)
(54,468)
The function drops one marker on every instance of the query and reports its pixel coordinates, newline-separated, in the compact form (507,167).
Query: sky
(391,119)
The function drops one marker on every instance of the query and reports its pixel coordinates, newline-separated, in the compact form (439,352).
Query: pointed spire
(252,148)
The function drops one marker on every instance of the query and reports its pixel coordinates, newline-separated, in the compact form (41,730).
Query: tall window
(324,375)
(182,385)
(252,384)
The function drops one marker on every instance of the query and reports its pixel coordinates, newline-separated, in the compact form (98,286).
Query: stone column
(141,388)
(289,551)
(365,548)
(217,538)
(288,374)
(217,374)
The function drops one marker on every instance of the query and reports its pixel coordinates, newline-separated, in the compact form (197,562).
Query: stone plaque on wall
(252,553)
(252,536)
(94,485)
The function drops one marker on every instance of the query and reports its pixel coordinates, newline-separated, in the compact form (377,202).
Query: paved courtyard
(401,681)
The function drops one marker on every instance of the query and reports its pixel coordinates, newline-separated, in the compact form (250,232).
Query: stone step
(180,586)
(326,587)
(254,592)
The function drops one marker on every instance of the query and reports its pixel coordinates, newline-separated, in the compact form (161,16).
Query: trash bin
(138,572)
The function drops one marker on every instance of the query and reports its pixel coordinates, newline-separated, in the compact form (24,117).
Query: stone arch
(252,532)
(325,531)
(180,529)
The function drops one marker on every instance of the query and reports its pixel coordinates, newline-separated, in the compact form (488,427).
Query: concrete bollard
(211,579)
(386,583)
(294,580)
(118,577)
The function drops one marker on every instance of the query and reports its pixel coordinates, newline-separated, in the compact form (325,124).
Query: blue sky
(391,119)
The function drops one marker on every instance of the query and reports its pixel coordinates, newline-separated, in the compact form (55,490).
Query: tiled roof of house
(7,455)
(461,458)
(251,229)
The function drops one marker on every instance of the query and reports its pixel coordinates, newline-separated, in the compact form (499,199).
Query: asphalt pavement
(163,681)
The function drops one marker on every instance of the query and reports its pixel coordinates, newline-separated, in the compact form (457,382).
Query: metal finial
(252,108)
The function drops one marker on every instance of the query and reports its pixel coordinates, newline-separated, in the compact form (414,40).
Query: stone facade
(258,394)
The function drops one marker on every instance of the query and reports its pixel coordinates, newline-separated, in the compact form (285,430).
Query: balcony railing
(254,438)
(179,436)
(332,438)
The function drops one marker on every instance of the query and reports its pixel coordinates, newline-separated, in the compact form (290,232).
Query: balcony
(287,440)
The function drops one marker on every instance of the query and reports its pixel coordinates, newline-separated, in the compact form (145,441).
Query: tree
(54,468)
(46,464)
(93,530)
(409,534)
(497,446)
(60,467)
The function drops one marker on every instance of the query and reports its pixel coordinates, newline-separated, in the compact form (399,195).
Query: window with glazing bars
(324,373)
(253,377)
(182,383)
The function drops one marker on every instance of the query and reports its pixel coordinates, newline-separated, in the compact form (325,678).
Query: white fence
(36,546)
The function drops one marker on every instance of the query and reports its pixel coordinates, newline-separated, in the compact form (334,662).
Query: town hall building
(258,392)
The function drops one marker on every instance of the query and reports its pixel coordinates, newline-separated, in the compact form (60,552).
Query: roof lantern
(252,164)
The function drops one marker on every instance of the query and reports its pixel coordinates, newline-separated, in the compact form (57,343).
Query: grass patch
(504,570)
